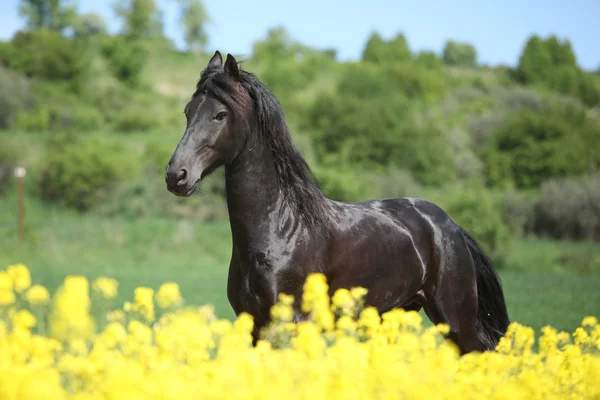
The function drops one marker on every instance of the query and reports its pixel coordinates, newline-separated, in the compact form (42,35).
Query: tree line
(395,122)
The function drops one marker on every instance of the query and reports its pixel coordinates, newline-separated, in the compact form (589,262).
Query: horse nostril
(182,175)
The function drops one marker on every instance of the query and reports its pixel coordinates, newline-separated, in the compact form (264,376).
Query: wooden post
(20,174)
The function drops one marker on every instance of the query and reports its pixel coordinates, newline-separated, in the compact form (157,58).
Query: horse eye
(221,116)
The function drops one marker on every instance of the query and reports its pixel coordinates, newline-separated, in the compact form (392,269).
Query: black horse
(407,252)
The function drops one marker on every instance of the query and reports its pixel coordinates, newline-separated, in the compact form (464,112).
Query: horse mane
(297,182)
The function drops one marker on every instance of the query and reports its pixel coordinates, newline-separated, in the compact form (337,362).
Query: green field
(541,286)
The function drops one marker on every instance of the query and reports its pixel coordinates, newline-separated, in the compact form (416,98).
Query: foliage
(379,51)
(46,55)
(141,18)
(15,95)
(570,208)
(532,147)
(126,58)
(8,162)
(156,344)
(551,63)
(194,19)
(55,15)
(459,54)
(518,211)
(288,67)
(81,173)
(89,24)
(397,122)
(370,99)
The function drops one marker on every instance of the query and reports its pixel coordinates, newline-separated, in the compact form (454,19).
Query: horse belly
(391,270)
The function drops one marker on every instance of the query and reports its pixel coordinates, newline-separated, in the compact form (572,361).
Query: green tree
(55,15)
(429,59)
(89,24)
(549,63)
(370,123)
(534,146)
(459,54)
(377,50)
(127,58)
(589,89)
(535,62)
(47,55)
(194,19)
(287,67)
(141,18)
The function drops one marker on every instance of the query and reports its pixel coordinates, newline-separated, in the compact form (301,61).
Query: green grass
(540,289)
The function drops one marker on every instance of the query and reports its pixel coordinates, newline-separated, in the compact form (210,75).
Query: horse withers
(406,252)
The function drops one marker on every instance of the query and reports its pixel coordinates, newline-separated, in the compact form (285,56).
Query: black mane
(297,182)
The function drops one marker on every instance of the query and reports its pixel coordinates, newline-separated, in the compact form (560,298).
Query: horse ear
(216,60)
(231,67)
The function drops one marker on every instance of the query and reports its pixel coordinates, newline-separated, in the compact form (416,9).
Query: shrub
(8,161)
(532,147)
(15,95)
(569,208)
(126,58)
(49,56)
(135,120)
(518,211)
(343,184)
(395,182)
(81,173)
(34,120)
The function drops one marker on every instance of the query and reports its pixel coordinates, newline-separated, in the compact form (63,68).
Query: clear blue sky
(498,29)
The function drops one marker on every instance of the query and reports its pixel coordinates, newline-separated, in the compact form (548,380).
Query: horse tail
(492,316)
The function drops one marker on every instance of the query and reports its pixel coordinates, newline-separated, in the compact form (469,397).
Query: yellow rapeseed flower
(37,294)
(20,276)
(168,295)
(189,353)
(24,319)
(144,302)
(7,295)
(107,287)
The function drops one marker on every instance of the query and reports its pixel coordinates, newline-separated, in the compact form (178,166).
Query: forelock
(215,83)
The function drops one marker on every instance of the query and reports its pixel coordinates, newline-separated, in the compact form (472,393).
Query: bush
(343,184)
(126,58)
(8,161)
(82,173)
(532,147)
(395,182)
(136,120)
(49,56)
(569,209)
(518,211)
(15,95)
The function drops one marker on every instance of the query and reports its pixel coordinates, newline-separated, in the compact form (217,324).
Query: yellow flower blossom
(343,301)
(189,353)
(144,303)
(168,295)
(358,293)
(107,287)
(24,319)
(7,295)
(20,276)
(37,294)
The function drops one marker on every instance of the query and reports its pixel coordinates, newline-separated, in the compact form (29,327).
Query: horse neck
(255,203)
